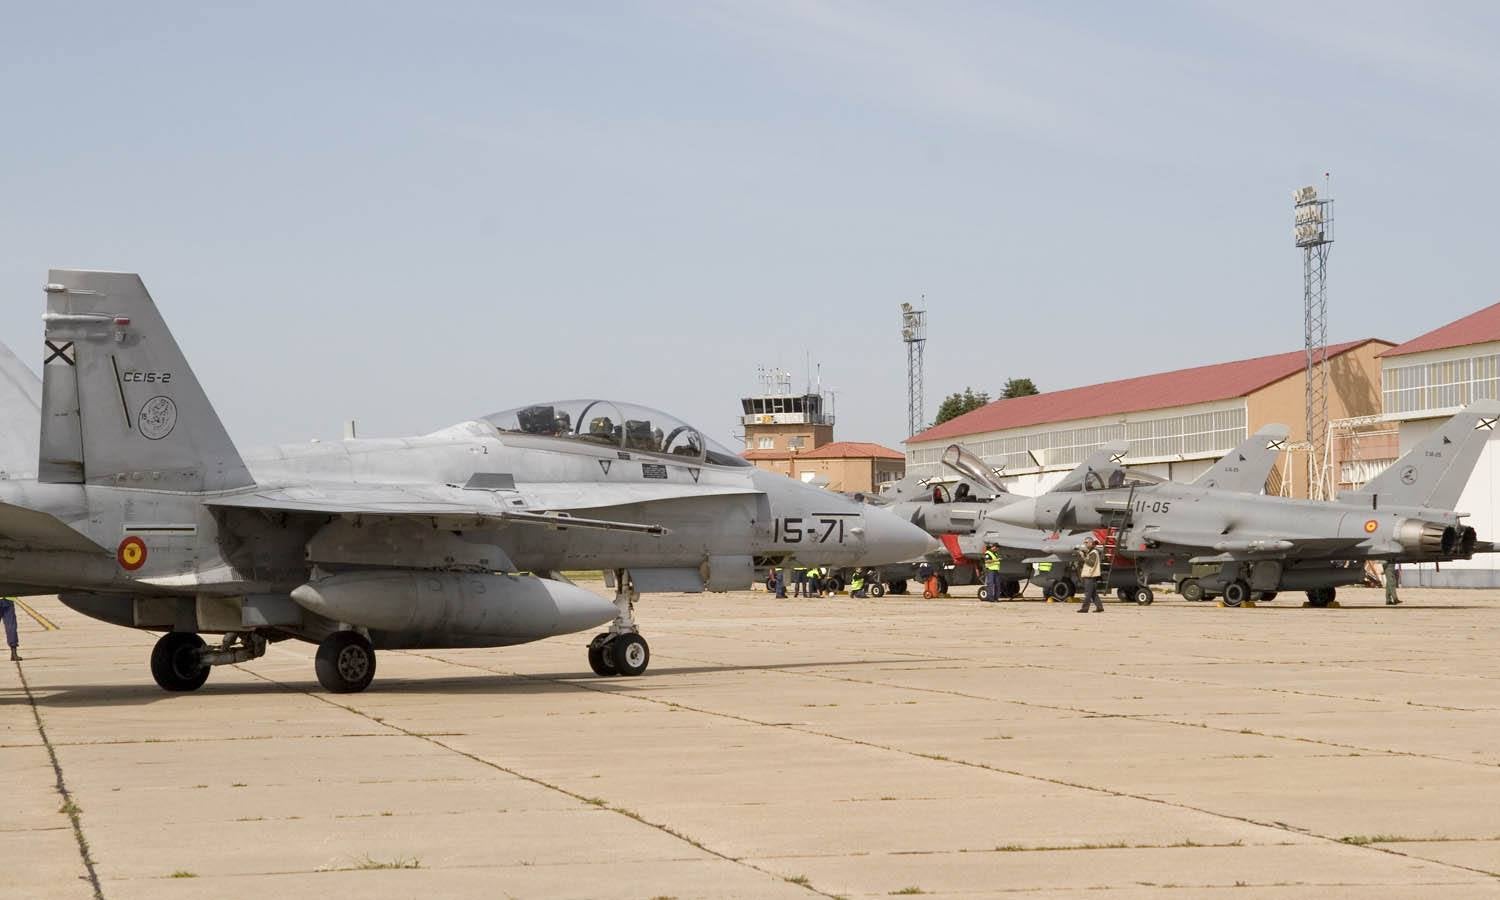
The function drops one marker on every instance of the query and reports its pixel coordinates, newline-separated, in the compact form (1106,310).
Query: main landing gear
(345,662)
(621,650)
(180,661)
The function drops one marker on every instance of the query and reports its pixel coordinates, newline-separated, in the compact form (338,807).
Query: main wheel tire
(1010,589)
(1190,590)
(175,664)
(1061,589)
(1144,596)
(942,586)
(1321,597)
(984,593)
(599,659)
(1266,597)
(898,587)
(630,653)
(345,662)
(877,590)
(1235,593)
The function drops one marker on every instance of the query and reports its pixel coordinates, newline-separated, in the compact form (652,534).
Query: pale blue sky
(412,214)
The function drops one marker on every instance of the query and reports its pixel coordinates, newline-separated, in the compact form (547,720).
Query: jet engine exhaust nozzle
(1431,538)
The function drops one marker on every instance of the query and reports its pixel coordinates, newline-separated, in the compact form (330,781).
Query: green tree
(1018,387)
(955,405)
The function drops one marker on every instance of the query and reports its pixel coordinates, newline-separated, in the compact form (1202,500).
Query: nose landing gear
(621,650)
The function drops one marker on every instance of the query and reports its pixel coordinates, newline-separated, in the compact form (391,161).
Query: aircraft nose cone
(891,539)
(1021,513)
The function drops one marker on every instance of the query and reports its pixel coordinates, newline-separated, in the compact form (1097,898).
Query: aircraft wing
(1245,546)
(538,503)
(399,501)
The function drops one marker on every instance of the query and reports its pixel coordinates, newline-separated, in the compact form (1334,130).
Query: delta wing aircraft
(143,514)
(956,515)
(1264,544)
(1243,470)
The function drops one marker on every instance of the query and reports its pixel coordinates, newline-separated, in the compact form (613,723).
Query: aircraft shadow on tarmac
(496,683)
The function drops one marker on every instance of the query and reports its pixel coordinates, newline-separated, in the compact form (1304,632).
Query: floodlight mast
(1312,231)
(914,335)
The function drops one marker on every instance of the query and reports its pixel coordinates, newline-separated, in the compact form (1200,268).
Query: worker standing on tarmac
(1090,564)
(799,580)
(8,615)
(992,573)
(857,584)
(1391,578)
(814,581)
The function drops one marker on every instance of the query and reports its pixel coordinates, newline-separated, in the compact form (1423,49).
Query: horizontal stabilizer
(39,531)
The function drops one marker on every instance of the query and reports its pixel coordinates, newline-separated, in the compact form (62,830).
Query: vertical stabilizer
(1246,467)
(1433,473)
(21,407)
(120,405)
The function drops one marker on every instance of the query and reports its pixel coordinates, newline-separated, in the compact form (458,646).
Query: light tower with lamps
(914,334)
(1313,232)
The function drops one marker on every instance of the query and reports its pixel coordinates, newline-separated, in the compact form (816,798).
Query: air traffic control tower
(778,420)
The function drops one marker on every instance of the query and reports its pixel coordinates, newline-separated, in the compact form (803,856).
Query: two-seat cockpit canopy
(1106,479)
(622,426)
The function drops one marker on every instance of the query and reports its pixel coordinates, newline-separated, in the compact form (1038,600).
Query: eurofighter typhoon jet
(1265,544)
(143,514)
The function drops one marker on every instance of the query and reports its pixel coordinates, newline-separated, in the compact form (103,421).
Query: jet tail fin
(1246,467)
(1434,472)
(21,411)
(120,405)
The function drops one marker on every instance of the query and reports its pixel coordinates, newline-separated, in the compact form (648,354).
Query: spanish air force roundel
(131,554)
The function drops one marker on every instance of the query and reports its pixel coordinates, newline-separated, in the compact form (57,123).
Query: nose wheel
(621,650)
(619,654)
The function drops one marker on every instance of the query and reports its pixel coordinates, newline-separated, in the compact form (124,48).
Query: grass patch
(1359,840)
(913,889)
(799,879)
(401,862)
(69,808)
(183,873)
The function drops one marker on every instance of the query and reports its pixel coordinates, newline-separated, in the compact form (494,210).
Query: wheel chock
(1220,604)
(1334,604)
(1249,603)
(1051,600)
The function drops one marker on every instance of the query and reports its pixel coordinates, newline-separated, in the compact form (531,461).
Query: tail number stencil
(131,554)
(791,530)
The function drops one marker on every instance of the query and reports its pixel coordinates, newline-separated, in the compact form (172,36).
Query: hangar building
(1177,422)
(1427,379)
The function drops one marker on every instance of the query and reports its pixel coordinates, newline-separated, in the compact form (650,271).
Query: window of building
(1440,385)
(767,443)
(796,442)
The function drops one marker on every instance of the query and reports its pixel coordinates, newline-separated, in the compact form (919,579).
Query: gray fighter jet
(1243,470)
(145,515)
(1265,544)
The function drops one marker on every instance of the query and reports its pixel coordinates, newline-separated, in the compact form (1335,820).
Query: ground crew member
(1388,570)
(8,616)
(992,573)
(814,582)
(1090,564)
(778,583)
(857,584)
(799,580)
